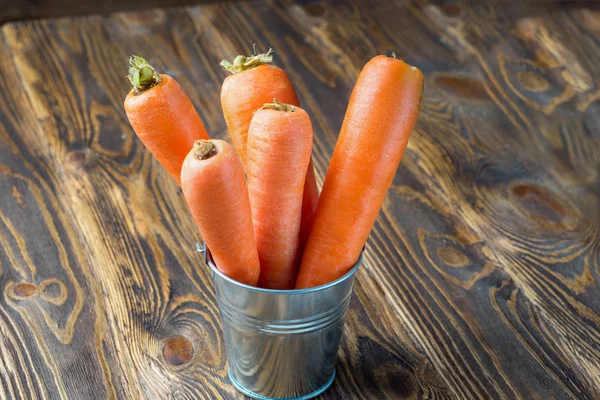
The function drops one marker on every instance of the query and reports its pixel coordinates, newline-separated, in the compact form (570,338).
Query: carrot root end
(142,75)
(278,106)
(204,149)
(242,63)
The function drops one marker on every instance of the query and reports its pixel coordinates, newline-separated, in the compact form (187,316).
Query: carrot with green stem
(279,146)
(382,111)
(252,83)
(214,186)
(162,115)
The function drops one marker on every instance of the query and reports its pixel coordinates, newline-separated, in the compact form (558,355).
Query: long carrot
(310,198)
(214,186)
(279,146)
(382,111)
(254,82)
(162,115)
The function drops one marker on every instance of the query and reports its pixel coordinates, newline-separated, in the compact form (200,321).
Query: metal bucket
(281,344)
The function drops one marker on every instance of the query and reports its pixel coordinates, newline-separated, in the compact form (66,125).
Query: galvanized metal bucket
(281,344)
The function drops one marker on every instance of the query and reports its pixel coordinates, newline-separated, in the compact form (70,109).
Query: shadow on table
(376,373)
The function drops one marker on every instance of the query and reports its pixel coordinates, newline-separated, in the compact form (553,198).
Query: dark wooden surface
(481,274)
(18,10)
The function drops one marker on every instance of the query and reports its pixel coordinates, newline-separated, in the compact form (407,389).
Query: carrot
(162,115)
(382,111)
(253,83)
(310,197)
(214,186)
(279,146)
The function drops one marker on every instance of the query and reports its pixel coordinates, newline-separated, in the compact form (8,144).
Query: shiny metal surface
(282,344)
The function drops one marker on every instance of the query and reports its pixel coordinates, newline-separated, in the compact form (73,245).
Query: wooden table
(481,274)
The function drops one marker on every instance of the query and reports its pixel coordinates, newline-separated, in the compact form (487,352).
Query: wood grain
(18,10)
(481,274)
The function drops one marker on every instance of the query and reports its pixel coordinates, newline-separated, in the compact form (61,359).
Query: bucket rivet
(178,350)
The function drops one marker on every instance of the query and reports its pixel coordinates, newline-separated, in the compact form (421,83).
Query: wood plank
(129,235)
(19,10)
(52,318)
(481,274)
(137,234)
(477,207)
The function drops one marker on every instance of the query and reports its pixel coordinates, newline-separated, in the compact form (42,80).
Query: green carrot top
(242,63)
(142,75)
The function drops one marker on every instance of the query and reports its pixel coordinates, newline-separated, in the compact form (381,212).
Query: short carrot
(254,82)
(214,186)
(382,111)
(162,115)
(279,146)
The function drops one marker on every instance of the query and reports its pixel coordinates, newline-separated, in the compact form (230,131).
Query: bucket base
(261,397)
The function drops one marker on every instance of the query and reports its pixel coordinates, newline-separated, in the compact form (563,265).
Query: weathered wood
(18,10)
(481,274)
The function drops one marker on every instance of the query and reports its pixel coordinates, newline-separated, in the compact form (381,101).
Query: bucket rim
(203,249)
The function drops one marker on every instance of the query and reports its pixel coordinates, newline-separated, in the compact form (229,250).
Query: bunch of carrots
(257,204)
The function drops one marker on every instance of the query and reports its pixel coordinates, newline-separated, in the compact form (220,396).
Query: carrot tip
(142,75)
(204,149)
(242,63)
(278,106)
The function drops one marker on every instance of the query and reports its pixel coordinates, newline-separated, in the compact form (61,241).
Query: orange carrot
(382,111)
(253,83)
(279,146)
(162,115)
(310,197)
(214,186)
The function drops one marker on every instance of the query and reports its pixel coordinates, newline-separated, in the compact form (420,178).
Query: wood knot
(178,350)
(463,87)
(401,382)
(315,9)
(81,159)
(533,82)
(452,257)
(25,290)
(53,291)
